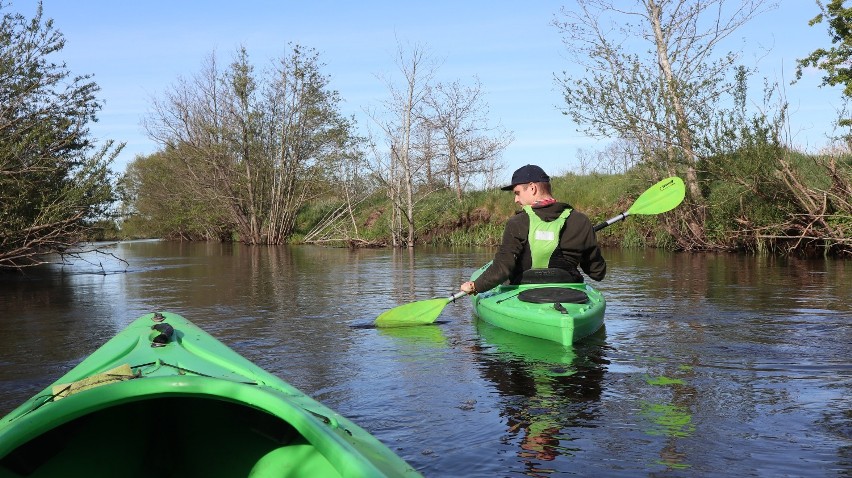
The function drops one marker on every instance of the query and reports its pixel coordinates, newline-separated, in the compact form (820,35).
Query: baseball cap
(527,174)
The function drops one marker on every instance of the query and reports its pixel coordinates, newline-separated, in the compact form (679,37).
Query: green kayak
(562,312)
(164,398)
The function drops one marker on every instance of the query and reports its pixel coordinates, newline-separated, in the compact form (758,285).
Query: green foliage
(103,230)
(488,234)
(162,208)
(835,60)
(760,195)
(632,238)
(248,148)
(583,192)
(313,213)
(744,208)
(478,220)
(55,183)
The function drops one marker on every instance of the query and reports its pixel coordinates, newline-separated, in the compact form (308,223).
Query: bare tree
(652,77)
(472,147)
(434,136)
(399,122)
(429,152)
(190,123)
(586,161)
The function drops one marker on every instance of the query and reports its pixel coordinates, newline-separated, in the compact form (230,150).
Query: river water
(708,364)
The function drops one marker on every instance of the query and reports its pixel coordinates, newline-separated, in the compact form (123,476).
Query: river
(709,364)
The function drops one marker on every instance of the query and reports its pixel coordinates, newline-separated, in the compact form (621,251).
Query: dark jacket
(578,247)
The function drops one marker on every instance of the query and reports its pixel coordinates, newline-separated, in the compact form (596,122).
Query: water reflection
(548,391)
(419,336)
(727,342)
(709,364)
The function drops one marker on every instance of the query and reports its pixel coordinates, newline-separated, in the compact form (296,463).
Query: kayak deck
(183,405)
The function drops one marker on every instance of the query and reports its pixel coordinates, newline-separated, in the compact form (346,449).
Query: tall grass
(745,202)
(479,217)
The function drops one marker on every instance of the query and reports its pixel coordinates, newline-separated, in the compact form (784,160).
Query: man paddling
(545,242)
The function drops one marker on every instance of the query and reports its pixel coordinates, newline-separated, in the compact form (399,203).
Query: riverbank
(441,219)
(803,213)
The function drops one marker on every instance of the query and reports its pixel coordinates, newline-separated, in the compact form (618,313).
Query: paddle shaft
(611,221)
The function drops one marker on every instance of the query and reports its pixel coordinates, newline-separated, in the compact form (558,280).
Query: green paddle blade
(416,313)
(421,312)
(659,198)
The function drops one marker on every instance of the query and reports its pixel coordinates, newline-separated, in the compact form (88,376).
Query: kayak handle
(165,334)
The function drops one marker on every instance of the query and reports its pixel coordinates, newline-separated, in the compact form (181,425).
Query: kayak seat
(551,275)
(293,460)
(553,295)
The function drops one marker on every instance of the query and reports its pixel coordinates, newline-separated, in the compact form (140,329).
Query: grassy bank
(478,219)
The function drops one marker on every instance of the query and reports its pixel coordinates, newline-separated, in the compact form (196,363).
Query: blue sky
(137,50)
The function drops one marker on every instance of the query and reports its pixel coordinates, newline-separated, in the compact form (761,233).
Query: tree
(470,145)
(435,135)
(307,141)
(834,61)
(651,77)
(260,144)
(401,122)
(55,182)
(156,208)
(618,157)
(189,123)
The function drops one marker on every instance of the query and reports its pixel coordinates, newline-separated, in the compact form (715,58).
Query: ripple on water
(709,364)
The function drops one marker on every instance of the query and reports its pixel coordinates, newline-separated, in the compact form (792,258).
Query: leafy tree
(651,76)
(55,183)
(835,61)
(156,208)
(258,145)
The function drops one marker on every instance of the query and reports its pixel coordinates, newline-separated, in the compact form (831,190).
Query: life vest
(544,237)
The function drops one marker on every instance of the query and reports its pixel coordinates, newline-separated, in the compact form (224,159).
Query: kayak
(542,306)
(164,398)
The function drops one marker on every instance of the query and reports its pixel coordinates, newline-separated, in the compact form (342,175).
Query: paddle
(661,197)
(416,313)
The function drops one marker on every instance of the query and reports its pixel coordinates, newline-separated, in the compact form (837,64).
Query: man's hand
(468,288)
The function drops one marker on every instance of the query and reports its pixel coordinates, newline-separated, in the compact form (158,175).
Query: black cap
(527,174)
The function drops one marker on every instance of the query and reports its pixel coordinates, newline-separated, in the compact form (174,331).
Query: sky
(136,51)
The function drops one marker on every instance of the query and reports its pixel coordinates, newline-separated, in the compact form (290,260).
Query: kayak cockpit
(170,436)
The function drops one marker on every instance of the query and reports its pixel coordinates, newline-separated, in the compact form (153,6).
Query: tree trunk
(695,221)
